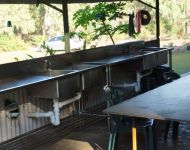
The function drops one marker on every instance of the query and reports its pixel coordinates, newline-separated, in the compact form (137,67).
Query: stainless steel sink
(108,60)
(152,49)
(80,67)
(94,63)
(68,86)
(142,52)
(62,88)
(92,74)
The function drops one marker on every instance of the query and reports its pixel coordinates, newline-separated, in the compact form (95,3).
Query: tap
(135,47)
(47,64)
(132,48)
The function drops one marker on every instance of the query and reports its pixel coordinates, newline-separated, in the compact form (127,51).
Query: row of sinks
(93,73)
(90,70)
(67,70)
(85,66)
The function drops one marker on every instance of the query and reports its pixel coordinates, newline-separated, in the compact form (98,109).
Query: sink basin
(152,49)
(91,73)
(141,52)
(80,67)
(108,60)
(94,63)
(63,88)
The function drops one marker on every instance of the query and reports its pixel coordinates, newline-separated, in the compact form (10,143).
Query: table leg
(134,136)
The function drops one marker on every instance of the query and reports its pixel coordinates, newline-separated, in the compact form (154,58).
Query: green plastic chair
(120,124)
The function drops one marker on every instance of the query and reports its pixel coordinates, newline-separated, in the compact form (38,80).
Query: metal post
(107,75)
(158,23)
(83,87)
(66,25)
(170,59)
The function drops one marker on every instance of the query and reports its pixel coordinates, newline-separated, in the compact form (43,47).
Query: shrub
(177,31)
(11,42)
(35,40)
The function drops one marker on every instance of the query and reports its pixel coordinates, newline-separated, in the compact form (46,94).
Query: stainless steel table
(168,102)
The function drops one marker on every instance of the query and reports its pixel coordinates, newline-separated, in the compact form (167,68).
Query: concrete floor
(96,138)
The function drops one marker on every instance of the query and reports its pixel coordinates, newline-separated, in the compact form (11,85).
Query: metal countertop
(7,84)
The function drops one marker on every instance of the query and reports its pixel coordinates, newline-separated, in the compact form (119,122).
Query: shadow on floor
(96,138)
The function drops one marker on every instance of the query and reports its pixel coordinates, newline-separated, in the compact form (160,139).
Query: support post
(66,25)
(170,59)
(158,23)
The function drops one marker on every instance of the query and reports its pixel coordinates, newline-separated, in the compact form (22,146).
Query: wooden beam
(158,22)
(66,25)
(50,5)
(140,1)
(52,1)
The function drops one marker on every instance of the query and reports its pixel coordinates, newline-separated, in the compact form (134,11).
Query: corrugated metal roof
(50,1)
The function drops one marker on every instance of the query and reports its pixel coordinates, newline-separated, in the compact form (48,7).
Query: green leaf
(16,58)
(49,51)
(30,56)
(99,18)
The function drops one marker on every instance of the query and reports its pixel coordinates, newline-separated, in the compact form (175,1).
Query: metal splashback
(37,65)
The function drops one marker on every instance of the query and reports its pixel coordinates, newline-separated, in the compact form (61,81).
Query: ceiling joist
(51,1)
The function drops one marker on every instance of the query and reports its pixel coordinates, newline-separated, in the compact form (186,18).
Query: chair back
(170,76)
(114,96)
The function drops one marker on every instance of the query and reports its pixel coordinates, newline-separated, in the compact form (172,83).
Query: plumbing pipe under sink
(55,114)
(137,84)
(139,76)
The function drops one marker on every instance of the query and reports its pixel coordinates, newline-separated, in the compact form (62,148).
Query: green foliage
(36,39)
(103,30)
(20,17)
(167,25)
(102,18)
(82,17)
(123,28)
(145,34)
(30,56)
(187,37)
(16,59)
(93,22)
(177,31)
(49,51)
(109,11)
(171,16)
(38,15)
(10,43)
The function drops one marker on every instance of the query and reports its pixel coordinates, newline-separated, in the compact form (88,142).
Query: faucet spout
(48,64)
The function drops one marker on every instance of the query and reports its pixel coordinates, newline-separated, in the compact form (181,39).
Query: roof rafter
(51,1)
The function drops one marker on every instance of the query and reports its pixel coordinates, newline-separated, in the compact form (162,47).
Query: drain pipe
(139,76)
(137,84)
(138,81)
(55,114)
